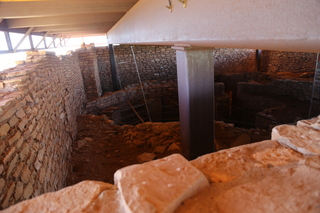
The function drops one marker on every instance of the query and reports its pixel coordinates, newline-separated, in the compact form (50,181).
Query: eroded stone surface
(302,139)
(313,123)
(262,177)
(83,197)
(158,186)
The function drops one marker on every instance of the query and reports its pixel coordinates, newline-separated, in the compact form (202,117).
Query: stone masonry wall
(301,90)
(230,61)
(154,63)
(39,104)
(90,73)
(296,62)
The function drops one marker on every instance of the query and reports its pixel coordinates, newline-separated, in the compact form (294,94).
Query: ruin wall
(40,100)
(295,62)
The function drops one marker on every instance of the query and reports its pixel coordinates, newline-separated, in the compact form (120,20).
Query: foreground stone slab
(313,123)
(159,186)
(302,139)
(261,177)
(87,196)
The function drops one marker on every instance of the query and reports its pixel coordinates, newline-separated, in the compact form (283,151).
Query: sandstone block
(19,190)
(2,146)
(145,157)
(302,139)
(12,165)
(25,175)
(313,123)
(87,196)
(13,121)
(27,191)
(5,203)
(2,184)
(173,147)
(160,149)
(14,138)
(25,151)
(20,114)
(158,186)
(4,129)
(18,170)
(22,124)
(8,114)
(8,155)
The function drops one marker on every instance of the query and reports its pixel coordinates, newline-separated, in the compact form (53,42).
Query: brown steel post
(196,100)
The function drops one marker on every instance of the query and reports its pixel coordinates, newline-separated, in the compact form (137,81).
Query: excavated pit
(120,134)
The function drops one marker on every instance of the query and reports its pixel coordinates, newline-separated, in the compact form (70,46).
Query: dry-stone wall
(301,90)
(90,73)
(152,89)
(104,66)
(230,61)
(39,104)
(296,62)
(154,63)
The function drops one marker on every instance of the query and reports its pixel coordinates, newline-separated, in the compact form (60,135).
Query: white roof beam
(287,25)
(110,18)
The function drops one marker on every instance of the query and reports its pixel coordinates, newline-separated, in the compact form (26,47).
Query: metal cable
(137,69)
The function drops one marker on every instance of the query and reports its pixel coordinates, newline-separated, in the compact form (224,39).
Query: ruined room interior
(192,106)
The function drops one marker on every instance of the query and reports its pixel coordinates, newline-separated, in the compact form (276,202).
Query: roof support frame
(22,39)
(8,40)
(43,39)
(31,42)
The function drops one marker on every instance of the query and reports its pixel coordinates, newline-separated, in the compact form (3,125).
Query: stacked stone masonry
(39,104)
(159,63)
(90,73)
(278,62)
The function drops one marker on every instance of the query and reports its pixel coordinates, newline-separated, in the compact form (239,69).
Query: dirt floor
(102,147)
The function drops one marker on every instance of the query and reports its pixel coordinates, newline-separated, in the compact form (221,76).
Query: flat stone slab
(86,196)
(261,177)
(159,186)
(302,139)
(313,123)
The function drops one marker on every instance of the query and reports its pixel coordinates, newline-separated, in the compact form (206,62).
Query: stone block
(302,139)
(18,191)
(14,138)
(20,114)
(12,165)
(8,155)
(2,146)
(25,174)
(158,186)
(18,170)
(24,153)
(27,191)
(8,195)
(13,121)
(8,114)
(2,184)
(4,129)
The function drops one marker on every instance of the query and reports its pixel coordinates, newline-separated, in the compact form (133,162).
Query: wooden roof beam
(73,27)
(31,9)
(111,18)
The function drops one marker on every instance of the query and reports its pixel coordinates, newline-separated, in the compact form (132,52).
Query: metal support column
(31,42)
(115,82)
(196,100)
(315,97)
(8,40)
(258,60)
